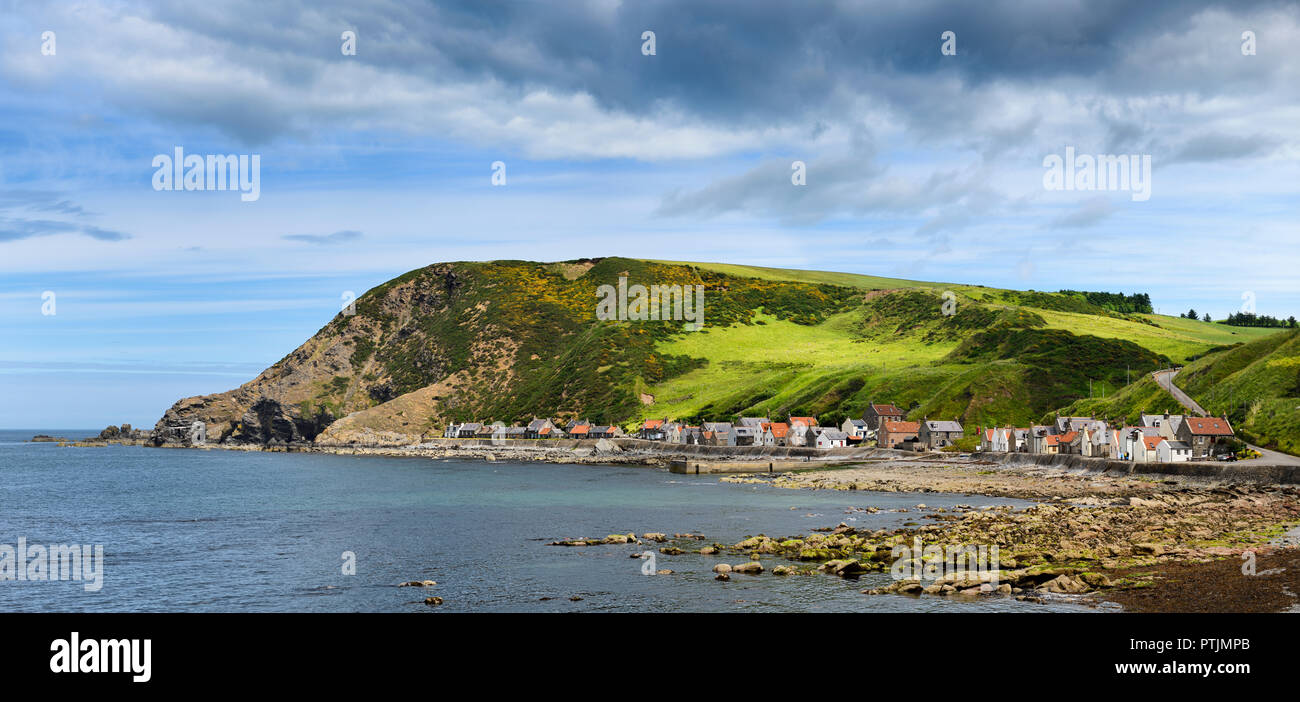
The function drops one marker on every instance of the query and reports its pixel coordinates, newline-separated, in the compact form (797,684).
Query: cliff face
(460,341)
(328,376)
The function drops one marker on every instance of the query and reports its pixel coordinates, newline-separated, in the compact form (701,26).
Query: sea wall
(1241,471)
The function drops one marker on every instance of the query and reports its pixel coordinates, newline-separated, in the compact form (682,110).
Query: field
(834,368)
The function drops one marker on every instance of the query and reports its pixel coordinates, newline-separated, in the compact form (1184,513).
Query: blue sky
(919,165)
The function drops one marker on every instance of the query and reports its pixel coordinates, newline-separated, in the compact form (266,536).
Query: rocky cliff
(455,341)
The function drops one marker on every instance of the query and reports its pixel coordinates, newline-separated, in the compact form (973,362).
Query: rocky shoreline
(1145,544)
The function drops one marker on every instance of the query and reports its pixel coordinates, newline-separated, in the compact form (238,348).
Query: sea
(190,530)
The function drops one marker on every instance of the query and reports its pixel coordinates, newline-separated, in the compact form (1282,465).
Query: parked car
(1226,457)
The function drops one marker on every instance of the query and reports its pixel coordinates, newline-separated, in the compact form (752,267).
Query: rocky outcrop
(267,422)
(218,413)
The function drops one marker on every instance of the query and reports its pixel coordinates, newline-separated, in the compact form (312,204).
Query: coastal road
(1165,379)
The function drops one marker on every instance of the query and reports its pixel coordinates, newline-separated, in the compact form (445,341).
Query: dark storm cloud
(751,63)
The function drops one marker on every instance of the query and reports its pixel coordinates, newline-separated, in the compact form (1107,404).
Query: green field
(1175,337)
(920,360)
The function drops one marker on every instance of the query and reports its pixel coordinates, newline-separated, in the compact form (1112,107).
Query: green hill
(507,340)
(1256,384)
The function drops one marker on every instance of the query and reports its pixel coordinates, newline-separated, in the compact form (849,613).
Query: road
(1165,379)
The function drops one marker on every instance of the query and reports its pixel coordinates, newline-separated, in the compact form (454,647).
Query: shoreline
(744,459)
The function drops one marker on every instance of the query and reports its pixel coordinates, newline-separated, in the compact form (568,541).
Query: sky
(923,157)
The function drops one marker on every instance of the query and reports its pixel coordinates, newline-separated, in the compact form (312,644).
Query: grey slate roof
(943,425)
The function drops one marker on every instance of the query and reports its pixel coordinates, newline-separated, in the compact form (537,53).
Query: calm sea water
(227,531)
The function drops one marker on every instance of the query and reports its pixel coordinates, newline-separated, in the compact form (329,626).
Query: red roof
(779,429)
(1051,440)
(1212,426)
(580,429)
(901,427)
(652,424)
(544,430)
(810,421)
(888,408)
(1152,442)
(1068,437)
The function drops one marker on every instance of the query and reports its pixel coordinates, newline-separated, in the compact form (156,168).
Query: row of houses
(1159,438)
(536,429)
(881,423)
(753,431)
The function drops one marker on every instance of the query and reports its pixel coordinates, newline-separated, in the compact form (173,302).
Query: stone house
(881,412)
(936,434)
(1204,434)
(855,429)
(535,428)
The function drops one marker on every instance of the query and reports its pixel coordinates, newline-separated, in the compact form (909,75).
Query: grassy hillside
(1005,356)
(506,340)
(1128,404)
(1257,385)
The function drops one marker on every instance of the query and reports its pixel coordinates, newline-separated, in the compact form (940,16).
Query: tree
(1291,321)
(1191,314)
(1206,317)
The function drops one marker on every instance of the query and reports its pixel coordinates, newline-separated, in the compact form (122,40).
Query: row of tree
(1250,319)
(1137,303)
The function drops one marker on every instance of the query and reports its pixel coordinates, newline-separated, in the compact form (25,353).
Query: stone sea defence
(1255,471)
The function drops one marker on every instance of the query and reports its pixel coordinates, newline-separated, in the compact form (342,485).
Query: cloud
(852,184)
(325,239)
(15,229)
(1087,214)
(1225,147)
(64,207)
(568,80)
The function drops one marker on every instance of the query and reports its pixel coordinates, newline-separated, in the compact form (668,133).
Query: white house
(1097,440)
(1167,424)
(831,438)
(1173,451)
(997,439)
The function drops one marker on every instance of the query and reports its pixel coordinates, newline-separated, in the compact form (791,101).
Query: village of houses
(1158,439)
